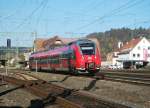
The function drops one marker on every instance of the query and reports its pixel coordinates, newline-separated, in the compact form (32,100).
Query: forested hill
(109,39)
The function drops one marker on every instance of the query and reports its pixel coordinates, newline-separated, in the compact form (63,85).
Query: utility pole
(36,65)
(34,34)
(17,54)
(6,63)
(134,28)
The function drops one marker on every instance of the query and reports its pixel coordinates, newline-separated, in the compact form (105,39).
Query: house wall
(141,51)
(124,57)
(114,61)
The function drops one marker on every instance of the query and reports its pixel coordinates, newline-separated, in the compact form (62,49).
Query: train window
(73,55)
(87,49)
(65,55)
(31,58)
(58,59)
(43,61)
(54,59)
(49,59)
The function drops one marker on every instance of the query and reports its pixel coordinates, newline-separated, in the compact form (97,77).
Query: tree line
(109,39)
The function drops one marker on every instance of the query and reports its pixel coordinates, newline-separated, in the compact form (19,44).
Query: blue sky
(67,18)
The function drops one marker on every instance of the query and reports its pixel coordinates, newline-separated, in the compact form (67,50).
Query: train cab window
(73,54)
(87,49)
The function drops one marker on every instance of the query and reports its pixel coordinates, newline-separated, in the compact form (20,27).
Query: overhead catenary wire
(94,6)
(127,5)
(14,13)
(31,14)
(42,11)
(131,3)
(139,22)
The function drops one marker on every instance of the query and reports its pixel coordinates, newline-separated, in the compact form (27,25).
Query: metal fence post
(36,65)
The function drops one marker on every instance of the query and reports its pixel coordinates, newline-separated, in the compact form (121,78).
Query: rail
(64,97)
(135,77)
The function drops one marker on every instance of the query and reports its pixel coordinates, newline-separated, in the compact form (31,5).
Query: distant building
(136,53)
(6,53)
(57,42)
(8,43)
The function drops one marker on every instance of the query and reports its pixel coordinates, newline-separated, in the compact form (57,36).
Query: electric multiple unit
(81,56)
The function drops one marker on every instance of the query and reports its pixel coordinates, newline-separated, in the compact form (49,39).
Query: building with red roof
(39,44)
(136,52)
(56,41)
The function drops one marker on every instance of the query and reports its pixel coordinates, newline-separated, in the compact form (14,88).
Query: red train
(81,56)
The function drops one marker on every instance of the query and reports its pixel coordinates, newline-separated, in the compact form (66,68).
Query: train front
(89,60)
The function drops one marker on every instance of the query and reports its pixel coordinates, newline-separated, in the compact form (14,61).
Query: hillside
(109,39)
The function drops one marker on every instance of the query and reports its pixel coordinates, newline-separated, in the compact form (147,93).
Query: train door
(49,63)
(61,62)
(71,60)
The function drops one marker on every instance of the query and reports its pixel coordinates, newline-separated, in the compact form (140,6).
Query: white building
(136,52)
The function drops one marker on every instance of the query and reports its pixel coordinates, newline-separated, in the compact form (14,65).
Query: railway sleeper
(51,98)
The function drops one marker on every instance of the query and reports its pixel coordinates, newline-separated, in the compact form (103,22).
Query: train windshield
(87,49)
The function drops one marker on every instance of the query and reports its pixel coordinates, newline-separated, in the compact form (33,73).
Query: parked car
(114,67)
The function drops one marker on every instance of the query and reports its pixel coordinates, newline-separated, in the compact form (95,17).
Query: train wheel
(74,71)
(39,70)
(91,73)
(31,69)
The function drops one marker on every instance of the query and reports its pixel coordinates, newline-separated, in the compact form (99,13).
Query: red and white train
(81,56)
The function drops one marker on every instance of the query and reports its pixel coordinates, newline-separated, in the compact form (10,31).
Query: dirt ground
(14,96)
(136,96)
(128,94)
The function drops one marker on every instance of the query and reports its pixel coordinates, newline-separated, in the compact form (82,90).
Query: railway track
(134,77)
(138,77)
(54,94)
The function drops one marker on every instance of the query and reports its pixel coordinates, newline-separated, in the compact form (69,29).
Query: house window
(139,47)
(148,55)
(133,55)
(138,55)
(149,48)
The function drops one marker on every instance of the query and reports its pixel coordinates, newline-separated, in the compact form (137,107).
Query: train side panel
(78,57)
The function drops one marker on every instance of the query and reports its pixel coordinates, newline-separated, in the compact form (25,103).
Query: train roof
(80,41)
(50,52)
